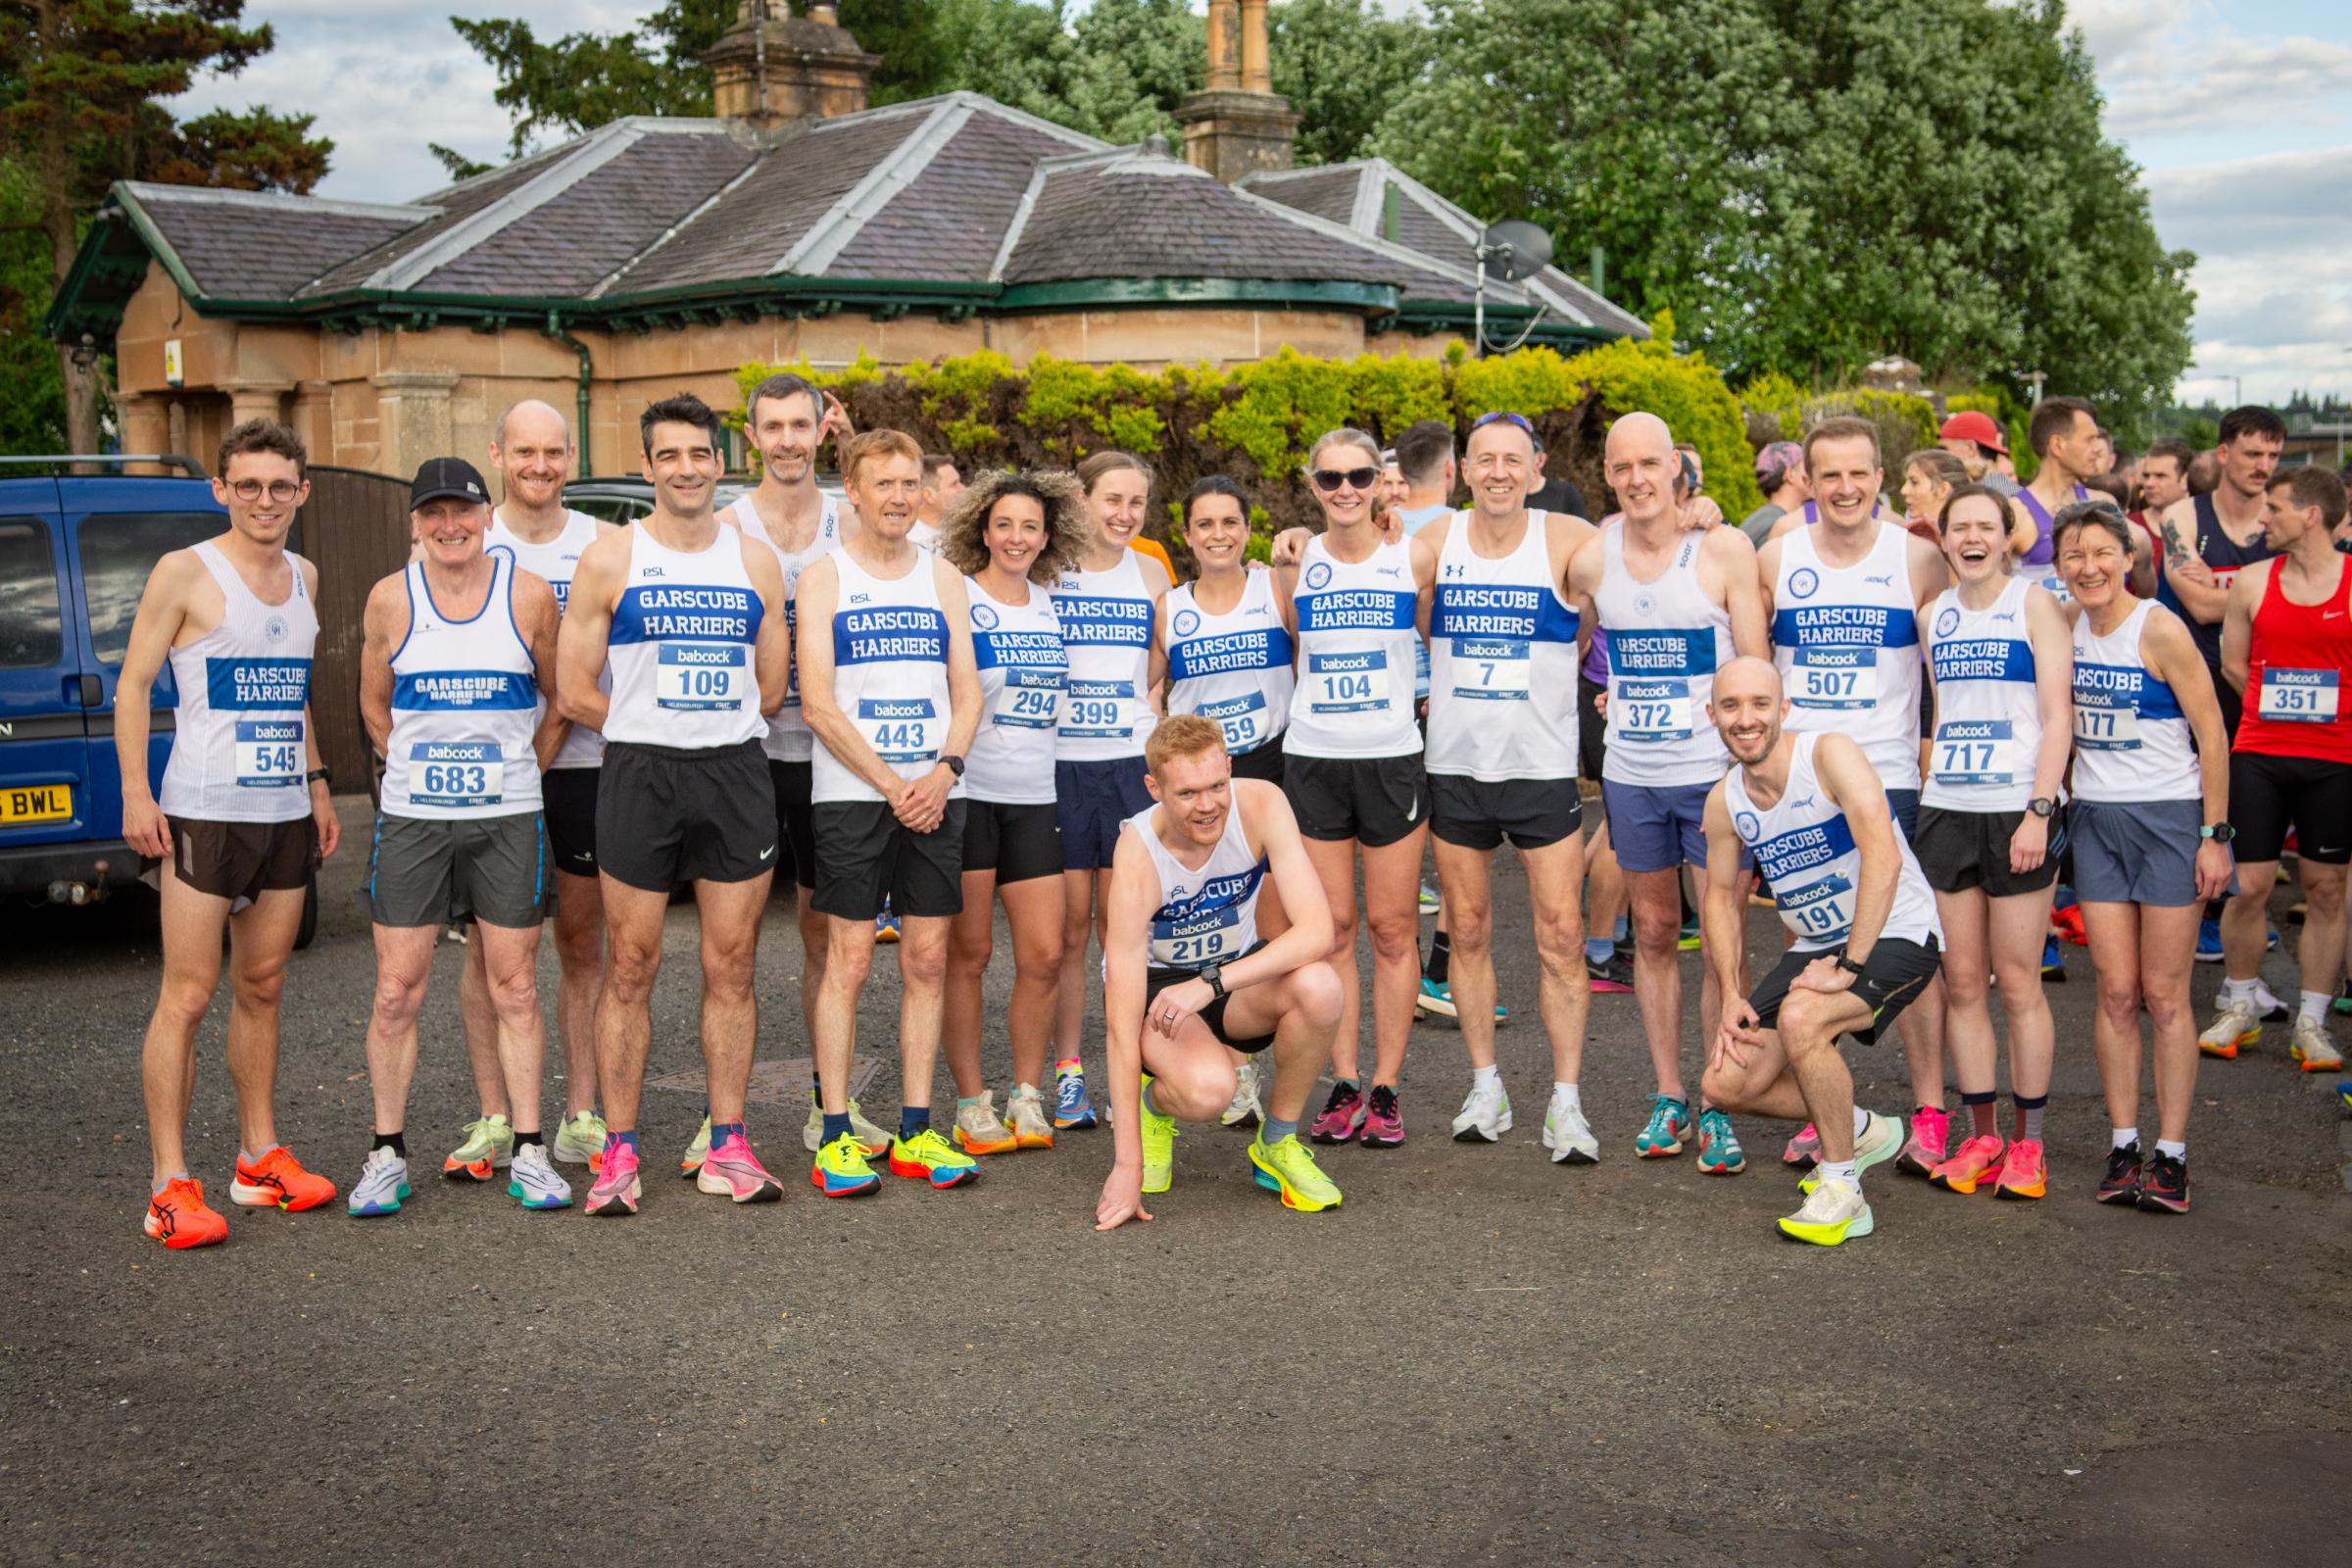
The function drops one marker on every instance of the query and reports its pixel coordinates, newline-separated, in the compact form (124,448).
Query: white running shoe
(382,1185)
(1833,1213)
(1485,1116)
(1025,1110)
(979,1130)
(2315,1047)
(1569,1135)
(580,1138)
(2238,1024)
(1244,1112)
(533,1180)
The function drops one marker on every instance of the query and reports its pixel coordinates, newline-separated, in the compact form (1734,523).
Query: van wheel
(305,932)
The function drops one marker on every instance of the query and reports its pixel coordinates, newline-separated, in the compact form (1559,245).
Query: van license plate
(35,803)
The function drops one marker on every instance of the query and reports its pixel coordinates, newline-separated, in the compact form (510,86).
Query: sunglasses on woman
(1329,480)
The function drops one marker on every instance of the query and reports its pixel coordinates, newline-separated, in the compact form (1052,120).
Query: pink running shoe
(733,1169)
(1804,1150)
(1972,1165)
(1923,1152)
(2025,1173)
(1342,1113)
(1384,1122)
(617,1190)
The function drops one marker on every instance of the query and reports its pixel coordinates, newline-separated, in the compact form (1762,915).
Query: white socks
(1484,1078)
(1566,1097)
(2315,1007)
(2238,990)
(1861,1121)
(2173,1147)
(1842,1172)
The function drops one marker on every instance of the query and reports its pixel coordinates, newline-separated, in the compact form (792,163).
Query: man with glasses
(244,818)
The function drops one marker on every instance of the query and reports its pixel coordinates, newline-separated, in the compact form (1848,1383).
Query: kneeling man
(1809,812)
(1186,975)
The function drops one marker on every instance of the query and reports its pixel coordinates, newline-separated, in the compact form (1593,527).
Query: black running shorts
(1892,979)
(864,856)
(666,816)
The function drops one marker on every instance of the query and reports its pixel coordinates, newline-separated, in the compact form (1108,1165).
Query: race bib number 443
(901,729)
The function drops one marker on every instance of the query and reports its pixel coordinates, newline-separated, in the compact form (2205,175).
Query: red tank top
(2299,675)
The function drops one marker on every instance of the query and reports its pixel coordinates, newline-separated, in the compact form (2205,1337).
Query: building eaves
(148,192)
(814,252)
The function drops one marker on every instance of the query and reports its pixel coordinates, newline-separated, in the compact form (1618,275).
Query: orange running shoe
(2025,1173)
(276,1180)
(1973,1166)
(178,1217)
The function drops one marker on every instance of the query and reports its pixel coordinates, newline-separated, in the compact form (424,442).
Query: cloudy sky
(2241,114)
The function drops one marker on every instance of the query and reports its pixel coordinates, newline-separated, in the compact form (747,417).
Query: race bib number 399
(694,677)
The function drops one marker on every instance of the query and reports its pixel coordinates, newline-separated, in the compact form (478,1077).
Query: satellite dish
(1515,249)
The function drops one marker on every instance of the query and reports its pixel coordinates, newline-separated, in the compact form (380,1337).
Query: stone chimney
(771,67)
(1238,124)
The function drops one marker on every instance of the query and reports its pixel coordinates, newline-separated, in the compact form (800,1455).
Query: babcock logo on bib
(984,618)
(1188,621)
(1319,574)
(1803,583)
(1947,622)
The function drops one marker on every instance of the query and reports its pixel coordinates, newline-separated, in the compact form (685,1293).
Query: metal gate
(356,530)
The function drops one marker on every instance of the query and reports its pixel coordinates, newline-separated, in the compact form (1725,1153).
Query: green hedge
(1255,422)
(1781,410)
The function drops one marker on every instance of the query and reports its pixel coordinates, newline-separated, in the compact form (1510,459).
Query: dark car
(627,498)
(75,551)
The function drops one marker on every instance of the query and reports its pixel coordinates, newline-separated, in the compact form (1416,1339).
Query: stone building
(656,255)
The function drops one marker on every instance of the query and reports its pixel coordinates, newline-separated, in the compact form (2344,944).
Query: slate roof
(958,192)
(1355,194)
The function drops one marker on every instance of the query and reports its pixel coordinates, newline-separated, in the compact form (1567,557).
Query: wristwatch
(2218,832)
(1215,976)
(319,775)
(954,764)
(1849,965)
(2043,807)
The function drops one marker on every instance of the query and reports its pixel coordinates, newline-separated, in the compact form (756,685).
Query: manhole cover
(779,1081)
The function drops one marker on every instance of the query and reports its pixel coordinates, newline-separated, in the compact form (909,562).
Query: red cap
(1970,425)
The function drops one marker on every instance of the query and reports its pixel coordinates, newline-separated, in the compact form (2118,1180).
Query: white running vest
(890,675)
(1356,637)
(1022,672)
(1233,668)
(789,738)
(2131,744)
(1502,662)
(1847,641)
(1666,640)
(1210,915)
(681,648)
(1806,849)
(1988,714)
(465,705)
(238,750)
(1106,628)
(557,560)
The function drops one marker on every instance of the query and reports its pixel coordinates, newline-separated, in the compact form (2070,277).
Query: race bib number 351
(699,676)
(2299,695)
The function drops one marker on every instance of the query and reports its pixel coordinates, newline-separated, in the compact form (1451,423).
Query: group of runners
(927,698)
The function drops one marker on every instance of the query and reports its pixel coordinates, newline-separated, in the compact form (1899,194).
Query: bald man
(531,453)
(1677,606)
(1810,810)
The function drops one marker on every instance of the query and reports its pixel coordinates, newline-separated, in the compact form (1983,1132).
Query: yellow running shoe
(927,1156)
(1832,1214)
(840,1170)
(1159,1146)
(1289,1169)
(489,1143)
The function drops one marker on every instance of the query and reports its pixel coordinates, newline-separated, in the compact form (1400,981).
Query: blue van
(75,554)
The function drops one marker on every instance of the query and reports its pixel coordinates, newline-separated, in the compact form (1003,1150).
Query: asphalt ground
(1479,1357)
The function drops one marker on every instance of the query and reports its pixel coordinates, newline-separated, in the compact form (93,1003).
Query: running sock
(835,1125)
(965,1103)
(1841,1171)
(1485,1077)
(251,1155)
(913,1119)
(721,1131)
(1623,928)
(2029,1115)
(1438,970)
(1600,950)
(1069,1067)
(2123,1136)
(1152,1107)
(2315,1006)
(1565,1095)
(2172,1148)
(531,1140)
(1983,1121)
(2237,991)
(1348,1084)
(156,1190)
(1861,1121)
(1270,1132)
(392,1141)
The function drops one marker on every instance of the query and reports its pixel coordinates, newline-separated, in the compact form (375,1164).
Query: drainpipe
(555,329)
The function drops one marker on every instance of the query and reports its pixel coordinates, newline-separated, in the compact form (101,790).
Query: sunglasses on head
(1519,419)
(1329,480)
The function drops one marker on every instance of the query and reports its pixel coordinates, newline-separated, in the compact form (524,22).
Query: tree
(1808,184)
(81,90)
(1343,63)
